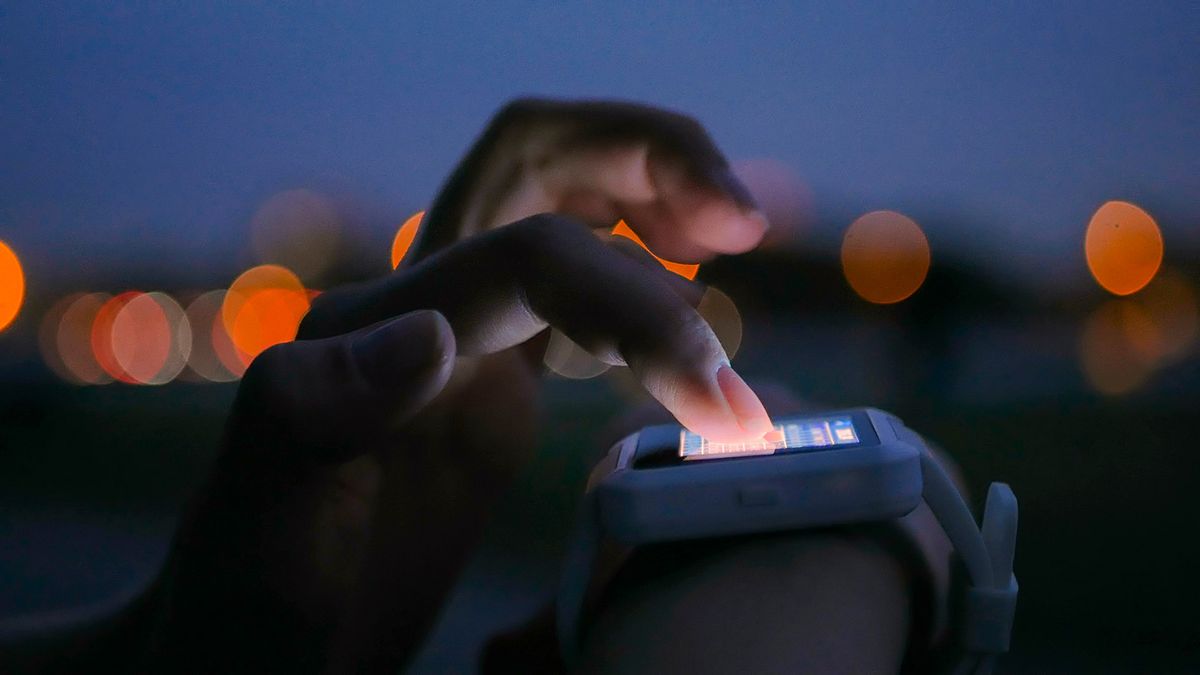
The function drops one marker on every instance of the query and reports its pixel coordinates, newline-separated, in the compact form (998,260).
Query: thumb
(334,398)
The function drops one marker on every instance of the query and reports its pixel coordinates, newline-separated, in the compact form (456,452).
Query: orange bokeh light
(213,356)
(48,338)
(64,338)
(12,285)
(102,337)
(263,307)
(149,338)
(405,237)
(74,338)
(141,338)
(1118,347)
(685,270)
(1124,247)
(885,257)
(1126,340)
(229,356)
(1172,304)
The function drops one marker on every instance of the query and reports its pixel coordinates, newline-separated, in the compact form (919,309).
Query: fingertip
(722,408)
(749,411)
(408,346)
(758,221)
(444,334)
(745,225)
(722,227)
(702,211)
(754,228)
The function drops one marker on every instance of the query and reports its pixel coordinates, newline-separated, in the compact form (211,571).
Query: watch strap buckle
(990,608)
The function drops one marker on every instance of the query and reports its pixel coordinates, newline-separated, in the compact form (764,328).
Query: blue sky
(144,136)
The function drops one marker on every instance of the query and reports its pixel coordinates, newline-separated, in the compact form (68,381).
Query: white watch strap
(987,553)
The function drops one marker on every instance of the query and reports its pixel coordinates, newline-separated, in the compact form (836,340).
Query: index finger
(501,288)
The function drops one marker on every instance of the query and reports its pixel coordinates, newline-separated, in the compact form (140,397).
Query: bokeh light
(102,336)
(140,338)
(12,285)
(213,356)
(885,257)
(263,307)
(151,338)
(719,310)
(1171,302)
(48,338)
(298,229)
(234,360)
(72,338)
(1124,247)
(405,237)
(182,338)
(685,270)
(564,357)
(1117,347)
(783,197)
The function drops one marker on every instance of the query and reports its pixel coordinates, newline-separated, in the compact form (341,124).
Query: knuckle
(519,109)
(269,365)
(545,232)
(267,390)
(687,136)
(317,321)
(693,340)
(679,341)
(311,326)
(319,306)
(688,125)
(678,124)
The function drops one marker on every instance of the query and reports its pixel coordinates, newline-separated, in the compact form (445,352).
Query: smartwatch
(844,467)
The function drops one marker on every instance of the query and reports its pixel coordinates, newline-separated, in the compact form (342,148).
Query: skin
(361,461)
(827,601)
(824,602)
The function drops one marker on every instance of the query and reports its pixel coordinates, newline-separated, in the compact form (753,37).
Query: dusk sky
(146,137)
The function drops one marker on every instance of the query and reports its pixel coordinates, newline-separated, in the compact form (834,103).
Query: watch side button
(758,495)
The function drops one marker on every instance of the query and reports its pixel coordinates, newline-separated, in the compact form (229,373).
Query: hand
(829,581)
(361,463)
(532,646)
(598,161)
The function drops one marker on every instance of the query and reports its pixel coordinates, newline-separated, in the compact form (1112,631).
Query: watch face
(673,446)
(788,435)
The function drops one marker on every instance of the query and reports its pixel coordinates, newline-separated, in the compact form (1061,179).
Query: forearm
(815,602)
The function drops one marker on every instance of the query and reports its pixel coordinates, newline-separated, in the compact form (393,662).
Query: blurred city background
(984,219)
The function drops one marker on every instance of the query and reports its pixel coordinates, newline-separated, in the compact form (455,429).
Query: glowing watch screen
(795,435)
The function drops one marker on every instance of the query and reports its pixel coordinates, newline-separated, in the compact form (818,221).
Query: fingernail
(760,218)
(744,403)
(403,348)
